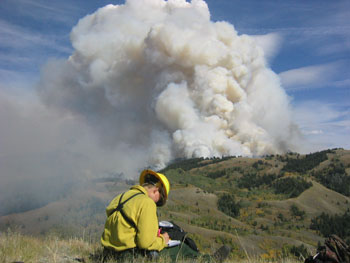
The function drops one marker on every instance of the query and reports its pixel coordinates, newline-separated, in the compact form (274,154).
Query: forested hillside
(287,199)
(266,206)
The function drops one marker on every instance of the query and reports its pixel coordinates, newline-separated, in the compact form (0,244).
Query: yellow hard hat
(162,178)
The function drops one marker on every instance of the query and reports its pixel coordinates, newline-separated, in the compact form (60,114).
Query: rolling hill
(261,206)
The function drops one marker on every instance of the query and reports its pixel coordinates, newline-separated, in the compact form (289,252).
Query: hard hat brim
(161,178)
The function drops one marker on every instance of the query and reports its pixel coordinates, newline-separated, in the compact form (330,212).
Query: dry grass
(15,247)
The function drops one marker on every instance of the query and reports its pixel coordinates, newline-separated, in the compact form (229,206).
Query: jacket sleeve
(146,237)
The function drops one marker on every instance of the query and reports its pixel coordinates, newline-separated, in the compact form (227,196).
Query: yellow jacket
(120,235)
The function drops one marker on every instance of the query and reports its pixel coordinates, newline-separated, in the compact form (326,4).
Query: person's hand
(166,237)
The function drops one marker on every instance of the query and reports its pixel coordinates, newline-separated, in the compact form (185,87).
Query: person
(131,229)
(131,226)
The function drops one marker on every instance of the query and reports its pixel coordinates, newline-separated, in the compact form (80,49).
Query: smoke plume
(158,80)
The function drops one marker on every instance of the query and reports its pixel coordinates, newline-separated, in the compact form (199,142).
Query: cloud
(321,114)
(44,153)
(23,52)
(10,59)
(309,77)
(61,12)
(40,5)
(342,83)
(17,82)
(30,128)
(270,43)
(166,82)
(324,125)
(15,36)
(313,132)
(170,72)
(331,47)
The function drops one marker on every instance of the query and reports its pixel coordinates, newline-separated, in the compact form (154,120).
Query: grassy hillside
(269,220)
(15,247)
(262,207)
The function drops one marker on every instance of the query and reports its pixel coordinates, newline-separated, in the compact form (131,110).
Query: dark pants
(129,255)
(176,253)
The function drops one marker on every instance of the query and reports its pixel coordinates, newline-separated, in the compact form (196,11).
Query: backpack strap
(120,206)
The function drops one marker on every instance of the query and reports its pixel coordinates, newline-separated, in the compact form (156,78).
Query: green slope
(269,221)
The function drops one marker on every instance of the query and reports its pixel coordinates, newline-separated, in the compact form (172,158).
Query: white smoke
(162,79)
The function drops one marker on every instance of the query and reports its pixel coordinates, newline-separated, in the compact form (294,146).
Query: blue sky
(310,51)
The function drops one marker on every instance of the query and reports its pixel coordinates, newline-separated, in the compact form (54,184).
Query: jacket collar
(139,188)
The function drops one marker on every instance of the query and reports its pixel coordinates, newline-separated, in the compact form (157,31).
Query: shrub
(252,180)
(291,186)
(228,205)
(296,212)
(217,174)
(299,251)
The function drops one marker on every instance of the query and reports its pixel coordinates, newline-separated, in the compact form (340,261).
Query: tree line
(304,164)
(334,177)
(289,186)
(337,224)
(192,163)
